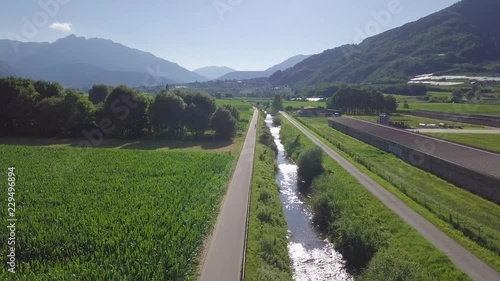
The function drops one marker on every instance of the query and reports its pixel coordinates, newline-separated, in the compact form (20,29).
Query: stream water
(313,257)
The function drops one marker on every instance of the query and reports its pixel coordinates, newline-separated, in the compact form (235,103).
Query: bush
(128,111)
(99,93)
(223,124)
(386,267)
(277,121)
(267,139)
(310,163)
(234,111)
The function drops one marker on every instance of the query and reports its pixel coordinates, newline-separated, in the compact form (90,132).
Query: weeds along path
(462,258)
(224,258)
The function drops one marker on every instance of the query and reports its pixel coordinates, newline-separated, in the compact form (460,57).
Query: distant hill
(245,75)
(213,72)
(7,70)
(462,38)
(76,62)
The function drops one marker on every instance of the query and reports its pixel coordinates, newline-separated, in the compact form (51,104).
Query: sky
(241,34)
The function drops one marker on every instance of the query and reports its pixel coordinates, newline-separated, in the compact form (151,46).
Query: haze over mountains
(79,62)
(463,38)
(242,75)
(214,72)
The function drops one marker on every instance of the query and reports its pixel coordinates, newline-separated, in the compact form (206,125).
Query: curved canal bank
(313,257)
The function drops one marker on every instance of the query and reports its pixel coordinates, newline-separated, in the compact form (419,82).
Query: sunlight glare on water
(313,258)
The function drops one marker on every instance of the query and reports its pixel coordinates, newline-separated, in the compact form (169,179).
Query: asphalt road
(224,259)
(462,258)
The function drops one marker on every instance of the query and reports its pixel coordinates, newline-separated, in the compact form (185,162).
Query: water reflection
(313,257)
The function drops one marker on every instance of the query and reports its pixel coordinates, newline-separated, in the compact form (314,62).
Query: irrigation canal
(313,257)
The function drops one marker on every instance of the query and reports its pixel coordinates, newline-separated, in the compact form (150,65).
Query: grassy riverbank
(469,219)
(376,243)
(267,253)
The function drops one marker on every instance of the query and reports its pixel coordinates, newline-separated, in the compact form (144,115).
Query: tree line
(362,101)
(41,108)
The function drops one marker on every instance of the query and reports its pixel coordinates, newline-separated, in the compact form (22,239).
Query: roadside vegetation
(469,219)
(483,141)
(267,253)
(107,214)
(375,242)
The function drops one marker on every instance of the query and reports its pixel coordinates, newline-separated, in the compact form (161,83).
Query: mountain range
(213,72)
(244,75)
(463,38)
(79,62)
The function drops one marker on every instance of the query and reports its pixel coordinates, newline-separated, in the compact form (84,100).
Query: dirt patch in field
(141,144)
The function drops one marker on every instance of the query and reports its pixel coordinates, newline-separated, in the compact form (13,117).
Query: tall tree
(99,93)
(234,111)
(166,113)
(199,111)
(18,99)
(52,113)
(391,104)
(49,89)
(80,113)
(127,110)
(223,124)
(277,103)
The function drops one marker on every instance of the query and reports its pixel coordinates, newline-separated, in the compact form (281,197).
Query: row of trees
(361,101)
(40,108)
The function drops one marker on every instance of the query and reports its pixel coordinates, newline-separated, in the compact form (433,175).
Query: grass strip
(469,219)
(376,243)
(267,253)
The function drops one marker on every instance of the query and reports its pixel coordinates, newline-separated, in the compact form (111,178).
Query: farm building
(310,111)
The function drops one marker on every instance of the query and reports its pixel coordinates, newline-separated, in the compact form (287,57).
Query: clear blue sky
(242,34)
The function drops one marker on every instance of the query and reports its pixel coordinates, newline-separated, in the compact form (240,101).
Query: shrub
(267,139)
(277,121)
(223,124)
(310,163)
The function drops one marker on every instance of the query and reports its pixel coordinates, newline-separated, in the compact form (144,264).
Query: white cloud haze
(61,26)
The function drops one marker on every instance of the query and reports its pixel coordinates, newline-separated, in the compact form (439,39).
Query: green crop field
(485,141)
(110,214)
(417,103)
(487,109)
(471,220)
(298,104)
(413,121)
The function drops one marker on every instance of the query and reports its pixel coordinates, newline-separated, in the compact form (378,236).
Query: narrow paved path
(461,257)
(224,259)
